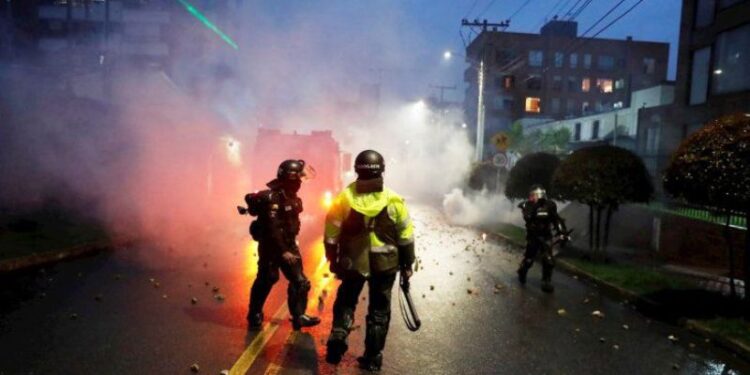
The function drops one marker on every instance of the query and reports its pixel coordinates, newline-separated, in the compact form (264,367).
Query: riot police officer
(368,239)
(276,229)
(540,215)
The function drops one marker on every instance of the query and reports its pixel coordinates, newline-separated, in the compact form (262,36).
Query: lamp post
(479,149)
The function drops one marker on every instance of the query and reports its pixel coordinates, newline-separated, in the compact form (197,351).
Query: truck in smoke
(318,149)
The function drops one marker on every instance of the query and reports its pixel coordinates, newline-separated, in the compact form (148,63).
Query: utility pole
(479,149)
(442,91)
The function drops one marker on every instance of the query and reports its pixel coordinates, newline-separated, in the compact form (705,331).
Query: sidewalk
(666,291)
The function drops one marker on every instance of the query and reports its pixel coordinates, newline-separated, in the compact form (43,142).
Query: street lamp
(479,150)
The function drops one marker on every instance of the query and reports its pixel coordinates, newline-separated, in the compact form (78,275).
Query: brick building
(557,74)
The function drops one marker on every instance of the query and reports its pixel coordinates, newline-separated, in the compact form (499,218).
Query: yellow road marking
(259,342)
(252,351)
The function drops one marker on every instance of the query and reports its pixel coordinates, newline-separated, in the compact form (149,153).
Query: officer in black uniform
(540,215)
(276,230)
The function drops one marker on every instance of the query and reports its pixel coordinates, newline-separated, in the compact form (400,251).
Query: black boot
(547,266)
(304,320)
(523,269)
(371,363)
(336,347)
(254,320)
(547,286)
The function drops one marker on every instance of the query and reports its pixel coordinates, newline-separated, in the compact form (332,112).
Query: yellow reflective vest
(373,231)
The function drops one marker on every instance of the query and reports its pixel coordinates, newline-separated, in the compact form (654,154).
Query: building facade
(556,74)
(713,78)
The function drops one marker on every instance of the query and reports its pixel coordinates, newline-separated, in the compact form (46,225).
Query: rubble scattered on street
(219,297)
(673,338)
(194,300)
(73,316)
(625,327)
(195,368)
(597,314)
(98,297)
(616,347)
(561,312)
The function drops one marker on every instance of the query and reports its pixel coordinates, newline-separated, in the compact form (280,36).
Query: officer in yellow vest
(369,238)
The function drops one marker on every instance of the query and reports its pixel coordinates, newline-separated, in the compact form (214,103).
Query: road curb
(48,257)
(725,342)
(644,304)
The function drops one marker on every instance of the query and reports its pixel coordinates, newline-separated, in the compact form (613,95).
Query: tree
(711,168)
(552,141)
(602,177)
(536,168)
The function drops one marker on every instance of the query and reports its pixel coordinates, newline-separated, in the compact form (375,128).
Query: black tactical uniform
(276,230)
(540,215)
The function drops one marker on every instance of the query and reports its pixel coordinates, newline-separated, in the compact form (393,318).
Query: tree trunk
(728,238)
(747,264)
(591,229)
(606,228)
(597,240)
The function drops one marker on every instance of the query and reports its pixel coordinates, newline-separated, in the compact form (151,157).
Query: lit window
(587,61)
(620,84)
(536,58)
(533,105)
(509,82)
(573,60)
(585,85)
(604,85)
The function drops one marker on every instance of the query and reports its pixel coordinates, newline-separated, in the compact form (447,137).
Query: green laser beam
(197,14)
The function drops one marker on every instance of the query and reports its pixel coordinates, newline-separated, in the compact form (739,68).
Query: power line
(471,8)
(617,19)
(570,11)
(581,9)
(602,17)
(519,9)
(487,8)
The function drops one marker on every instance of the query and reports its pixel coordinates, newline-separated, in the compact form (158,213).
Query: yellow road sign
(501,141)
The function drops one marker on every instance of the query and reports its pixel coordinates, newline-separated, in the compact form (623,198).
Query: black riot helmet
(369,164)
(291,170)
(537,193)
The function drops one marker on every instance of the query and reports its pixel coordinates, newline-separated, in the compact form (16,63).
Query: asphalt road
(129,311)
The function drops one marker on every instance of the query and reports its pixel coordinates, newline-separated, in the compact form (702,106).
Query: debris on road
(215,289)
(597,314)
(220,297)
(616,347)
(675,366)
(73,316)
(432,287)
(98,298)
(193,300)
(602,340)
(224,372)
(673,338)
(625,327)
(561,312)
(195,368)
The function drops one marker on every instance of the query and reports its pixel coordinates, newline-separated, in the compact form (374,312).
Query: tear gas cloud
(164,153)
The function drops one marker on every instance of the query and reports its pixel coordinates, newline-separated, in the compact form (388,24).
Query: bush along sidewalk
(659,293)
(40,238)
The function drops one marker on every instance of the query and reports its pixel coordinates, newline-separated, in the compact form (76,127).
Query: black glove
(332,256)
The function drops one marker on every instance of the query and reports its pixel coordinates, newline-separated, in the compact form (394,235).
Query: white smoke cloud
(479,208)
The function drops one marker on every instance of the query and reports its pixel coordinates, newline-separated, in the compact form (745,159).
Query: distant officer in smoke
(276,230)
(368,239)
(540,215)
